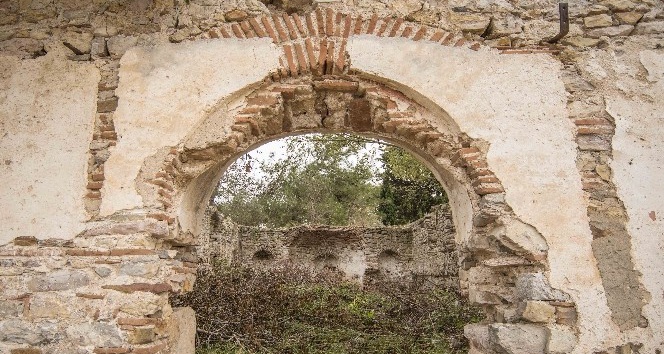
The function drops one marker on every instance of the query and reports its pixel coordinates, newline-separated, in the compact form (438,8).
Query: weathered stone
(615,31)
(182,329)
(59,280)
(522,239)
(103,271)
(594,142)
(535,286)
(98,334)
(505,26)
(139,269)
(538,311)
(20,332)
(562,340)
(471,23)
(236,15)
(629,18)
(649,27)
(25,241)
(46,305)
(98,48)
(604,171)
(619,5)
(78,43)
(580,41)
(518,338)
(158,229)
(478,335)
(10,308)
(566,316)
(602,20)
(653,62)
(118,45)
(142,335)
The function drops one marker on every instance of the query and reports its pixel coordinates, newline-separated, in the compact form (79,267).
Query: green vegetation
(288,310)
(333,179)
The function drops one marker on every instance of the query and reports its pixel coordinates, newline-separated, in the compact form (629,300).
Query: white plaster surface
(47,112)
(167,90)
(638,169)
(517,104)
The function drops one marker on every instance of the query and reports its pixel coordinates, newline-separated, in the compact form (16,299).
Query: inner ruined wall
(75,273)
(421,252)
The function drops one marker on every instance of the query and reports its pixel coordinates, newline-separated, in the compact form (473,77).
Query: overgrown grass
(290,310)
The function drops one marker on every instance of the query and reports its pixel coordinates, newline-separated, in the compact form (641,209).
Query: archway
(501,260)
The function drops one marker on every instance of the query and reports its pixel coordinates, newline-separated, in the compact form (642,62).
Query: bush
(290,310)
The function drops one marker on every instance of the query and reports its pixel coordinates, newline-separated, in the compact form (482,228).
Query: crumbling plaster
(165,91)
(517,105)
(53,100)
(638,167)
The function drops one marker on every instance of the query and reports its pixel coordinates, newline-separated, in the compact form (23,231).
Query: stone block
(98,334)
(139,269)
(602,20)
(142,335)
(629,18)
(47,305)
(615,31)
(20,332)
(471,23)
(562,340)
(10,308)
(538,311)
(59,280)
(517,338)
(182,329)
(535,286)
(118,45)
(655,27)
(521,238)
(478,335)
(619,5)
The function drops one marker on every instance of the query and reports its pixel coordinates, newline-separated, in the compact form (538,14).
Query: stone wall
(118,117)
(419,253)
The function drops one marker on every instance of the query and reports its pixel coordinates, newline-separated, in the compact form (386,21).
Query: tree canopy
(332,179)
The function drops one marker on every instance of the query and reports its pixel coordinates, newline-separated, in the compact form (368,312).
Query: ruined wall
(117,118)
(421,252)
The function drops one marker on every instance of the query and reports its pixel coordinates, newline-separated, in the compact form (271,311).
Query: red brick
(184,270)
(224,32)
(460,42)
(347,25)
(448,39)
(91,296)
(383,27)
(407,32)
(85,252)
(300,26)
(322,56)
(289,25)
(237,30)
(484,179)
(269,29)
(140,287)
(420,34)
(118,350)
(594,129)
(337,24)
(336,85)
(137,321)
(97,177)
(153,349)
(488,189)
(25,351)
(25,241)
(291,61)
(263,100)
(310,54)
(372,24)
(257,27)
(246,28)
(310,25)
(280,29)
(329,63)
(341,58)
(329,22)
(395,28)
(358,25)
(131,252)
(320,22)
(255,128)
(475,46)
(109,135)
(437,36)
(162,183)
(301,58)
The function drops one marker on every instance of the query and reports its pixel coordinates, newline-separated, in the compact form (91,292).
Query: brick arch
(315,43)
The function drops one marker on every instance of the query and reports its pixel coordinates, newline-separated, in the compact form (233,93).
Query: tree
(320,179)
(409,188)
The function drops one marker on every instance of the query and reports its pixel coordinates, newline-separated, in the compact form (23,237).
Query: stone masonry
(117,119)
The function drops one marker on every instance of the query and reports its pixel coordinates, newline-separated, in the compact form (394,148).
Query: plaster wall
(638,167)
(516,104)
(47,112)
(165,91)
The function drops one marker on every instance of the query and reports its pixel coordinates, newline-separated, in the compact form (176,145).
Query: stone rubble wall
(422,252)
(88,271)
